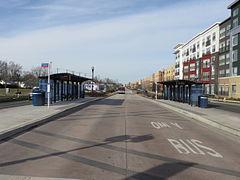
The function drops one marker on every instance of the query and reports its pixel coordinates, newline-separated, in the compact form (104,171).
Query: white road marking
(159,125)
(187,146)
(177,125)
(193,146)
(212,152)
(179,147)
(199,150)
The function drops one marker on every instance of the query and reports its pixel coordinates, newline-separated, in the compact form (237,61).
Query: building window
(192,76)
(214,36)
(234,71)
(227,58)
(192,67)
(222,47)
(235,12)
(226,90)
(221,72)
(228,27)
(221,60)
(235,23)
(206,63)
(221,90)
(213,48)
(227,45)
(234,89)
(208,42)
(185,68)
(227,72)
(235,40)
(208,51)
(206,76)
(222,57)
(235,55)
(222,33)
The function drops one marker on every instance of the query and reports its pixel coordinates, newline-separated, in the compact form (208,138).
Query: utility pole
(92,77)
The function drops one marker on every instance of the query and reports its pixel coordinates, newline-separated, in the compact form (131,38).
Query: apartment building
(169,73)
(158,76)
(229,86)
(224,58)
(178,51)
(200,58)
(147,83)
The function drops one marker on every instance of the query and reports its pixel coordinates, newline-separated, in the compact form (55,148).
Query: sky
(125,40)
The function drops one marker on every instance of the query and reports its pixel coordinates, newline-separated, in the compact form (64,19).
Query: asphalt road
(225,106)
(119,138)
(4,105)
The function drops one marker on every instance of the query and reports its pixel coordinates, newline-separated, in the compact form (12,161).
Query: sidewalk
(222,119)
(18,119)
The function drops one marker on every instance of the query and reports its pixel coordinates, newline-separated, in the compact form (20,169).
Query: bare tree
(14,71)
(3,70)
(29,79)
(38,71)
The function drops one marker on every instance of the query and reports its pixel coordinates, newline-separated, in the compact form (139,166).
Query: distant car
(18,92)
(121,90)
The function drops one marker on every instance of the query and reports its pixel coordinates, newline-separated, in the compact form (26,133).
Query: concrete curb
(11,177)
(16,130)
(198,117)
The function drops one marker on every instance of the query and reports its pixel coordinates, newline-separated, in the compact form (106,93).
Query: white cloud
(124,48)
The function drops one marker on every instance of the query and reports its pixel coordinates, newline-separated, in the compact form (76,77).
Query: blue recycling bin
(203,101)
(38,98)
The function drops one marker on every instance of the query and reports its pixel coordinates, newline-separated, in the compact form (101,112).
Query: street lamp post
(92,77)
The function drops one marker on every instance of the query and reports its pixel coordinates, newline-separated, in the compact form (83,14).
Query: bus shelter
(63,86)
(182,91)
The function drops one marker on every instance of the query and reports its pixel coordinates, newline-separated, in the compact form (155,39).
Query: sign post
(48,65)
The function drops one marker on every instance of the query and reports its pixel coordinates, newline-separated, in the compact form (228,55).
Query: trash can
(203,101)
(38,98)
